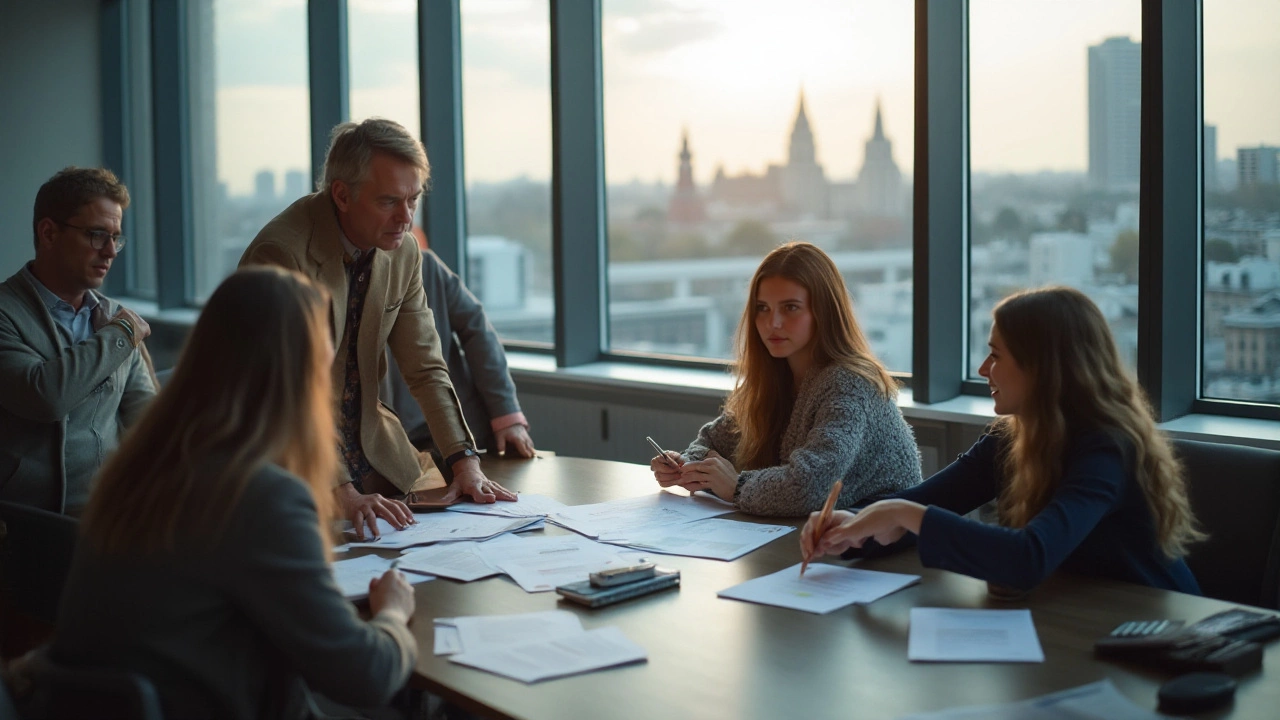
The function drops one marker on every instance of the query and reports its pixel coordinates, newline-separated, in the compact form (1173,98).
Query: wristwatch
(465,452)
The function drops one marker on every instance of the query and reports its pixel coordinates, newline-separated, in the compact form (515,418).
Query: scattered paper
(822,589)
(715,538)
(559,657)
(1095,701)
(445,527)
(951,635)
(480,633)
(525,505)
(540,564)
(458,561)
(618,518)
(353,575)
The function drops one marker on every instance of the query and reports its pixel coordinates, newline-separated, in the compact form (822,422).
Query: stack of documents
(446,527)
(540,564)
(353,575)
(619,518)
(525,505)
(458,560)
(533,646)
(715,538)
(1095,701)
(822,589)
(950,635)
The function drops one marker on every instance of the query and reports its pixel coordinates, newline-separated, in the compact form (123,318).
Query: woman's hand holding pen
(885,521)
(714,473)
(392,594)
(667,471)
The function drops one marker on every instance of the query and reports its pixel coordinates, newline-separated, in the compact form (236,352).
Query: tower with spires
(879,191)
(804,184)
(685,206)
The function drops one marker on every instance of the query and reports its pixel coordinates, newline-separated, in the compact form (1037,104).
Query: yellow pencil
(824,517)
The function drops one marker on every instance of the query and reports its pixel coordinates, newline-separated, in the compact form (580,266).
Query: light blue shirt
(75,326)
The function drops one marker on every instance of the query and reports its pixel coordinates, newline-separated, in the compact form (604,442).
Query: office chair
(1235,494)
(36,548)
(64,692)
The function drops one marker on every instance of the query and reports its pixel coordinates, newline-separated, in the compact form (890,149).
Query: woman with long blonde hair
(1083,478)
(203,559)
(812,404)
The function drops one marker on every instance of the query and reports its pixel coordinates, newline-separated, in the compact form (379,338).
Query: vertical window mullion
(328,71)
(171,110)
(577,181)
(440,70)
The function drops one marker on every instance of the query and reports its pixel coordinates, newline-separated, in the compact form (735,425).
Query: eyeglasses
(98,238)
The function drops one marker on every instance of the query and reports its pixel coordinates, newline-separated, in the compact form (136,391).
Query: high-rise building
(1211,158)
(295,185)
(878,191)
(1115,114)
(804,184)
(264,187)
(1258,166)
(685,206)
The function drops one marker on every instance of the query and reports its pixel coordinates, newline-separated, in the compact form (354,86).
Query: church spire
(879,133)
(802,150)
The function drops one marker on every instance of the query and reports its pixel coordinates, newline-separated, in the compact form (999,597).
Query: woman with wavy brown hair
(203,559)
(1083,478)
(812,404)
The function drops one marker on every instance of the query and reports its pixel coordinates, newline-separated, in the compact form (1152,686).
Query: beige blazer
(306,237)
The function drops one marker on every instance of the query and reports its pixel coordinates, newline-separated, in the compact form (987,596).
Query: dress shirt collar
(55,304)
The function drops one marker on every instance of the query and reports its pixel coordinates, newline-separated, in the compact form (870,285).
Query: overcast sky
(731,72)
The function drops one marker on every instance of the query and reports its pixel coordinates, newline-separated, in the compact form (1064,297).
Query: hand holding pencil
(820,524)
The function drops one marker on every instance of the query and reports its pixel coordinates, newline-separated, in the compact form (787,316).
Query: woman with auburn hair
(203,558)
(811,404)
(1083,478)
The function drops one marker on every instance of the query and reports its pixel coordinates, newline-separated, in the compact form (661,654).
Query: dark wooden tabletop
(716,658)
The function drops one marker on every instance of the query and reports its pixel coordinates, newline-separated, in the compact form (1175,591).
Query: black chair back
(1235,493)
(63,692)
(36,548)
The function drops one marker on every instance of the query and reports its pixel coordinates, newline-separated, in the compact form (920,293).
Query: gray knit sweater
(841,428)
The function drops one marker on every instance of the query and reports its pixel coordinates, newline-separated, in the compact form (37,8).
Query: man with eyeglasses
(73,370)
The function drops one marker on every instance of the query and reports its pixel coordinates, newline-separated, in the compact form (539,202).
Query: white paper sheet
(479,633)
(560,657)
(353,575)
(457,560)
(1095,701)
(954,635)
(715,538)
(444,527)
(525,505)
(822,589)
(618,518)
(540,564)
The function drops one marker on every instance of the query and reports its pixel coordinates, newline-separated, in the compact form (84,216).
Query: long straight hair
(251,387)
(762,398)
(1060,339)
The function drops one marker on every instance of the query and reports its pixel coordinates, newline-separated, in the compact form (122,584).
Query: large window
(733,127)
(382,41)
(506,91)
(1054,119)
(250,126)
(1241,281)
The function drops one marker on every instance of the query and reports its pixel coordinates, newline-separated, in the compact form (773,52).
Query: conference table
(718,658)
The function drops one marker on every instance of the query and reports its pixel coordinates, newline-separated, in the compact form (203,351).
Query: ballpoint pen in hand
(662,453)
(824,517)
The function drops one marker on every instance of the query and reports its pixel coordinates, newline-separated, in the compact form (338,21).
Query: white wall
(50,107)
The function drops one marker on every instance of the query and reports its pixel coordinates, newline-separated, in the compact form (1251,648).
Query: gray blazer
(239,629)
(103,381)
(841,428)
(471,348)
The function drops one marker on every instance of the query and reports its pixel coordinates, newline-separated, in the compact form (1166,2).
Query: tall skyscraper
(1258,166)
(264,187)
(295,185)
(1115,113)
(686,207)
(1211,158)
(878,191)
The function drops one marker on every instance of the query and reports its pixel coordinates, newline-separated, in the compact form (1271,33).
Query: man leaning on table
(352,238)
(73,370)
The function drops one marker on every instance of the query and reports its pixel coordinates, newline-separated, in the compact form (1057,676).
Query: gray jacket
(473,352)
(103,382)
(841,428)
(240,629)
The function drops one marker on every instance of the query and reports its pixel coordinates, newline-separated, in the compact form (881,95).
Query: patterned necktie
(358,272)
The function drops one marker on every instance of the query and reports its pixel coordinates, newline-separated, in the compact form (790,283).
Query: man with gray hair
(352,238)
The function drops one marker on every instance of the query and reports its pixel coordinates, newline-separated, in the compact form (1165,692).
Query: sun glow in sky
(731,72)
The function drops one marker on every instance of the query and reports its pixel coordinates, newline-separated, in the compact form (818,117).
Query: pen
(824,517)
(662,453)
